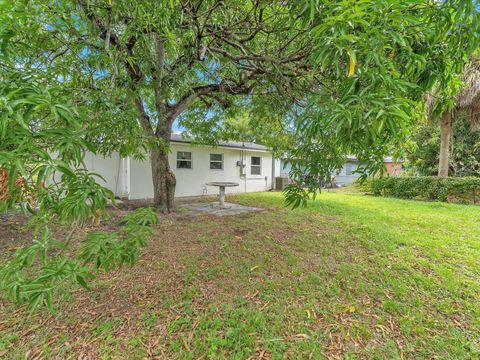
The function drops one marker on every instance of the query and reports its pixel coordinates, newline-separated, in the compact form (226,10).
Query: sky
(176,128)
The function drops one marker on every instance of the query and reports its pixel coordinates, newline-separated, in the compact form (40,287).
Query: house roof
(179,138)
(387,159)
(390,159)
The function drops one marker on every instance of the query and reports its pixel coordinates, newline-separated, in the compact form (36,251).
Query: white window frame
(252,166)
(216,161)
(348,168)
(188,160)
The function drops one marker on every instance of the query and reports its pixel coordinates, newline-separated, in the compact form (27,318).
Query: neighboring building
(394,168)
(347,175)
(285,168)
(252,166)
(343,177)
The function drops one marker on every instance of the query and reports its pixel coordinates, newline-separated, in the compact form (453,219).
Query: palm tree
(466,101)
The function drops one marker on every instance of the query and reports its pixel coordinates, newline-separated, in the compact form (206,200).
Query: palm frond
(468,98)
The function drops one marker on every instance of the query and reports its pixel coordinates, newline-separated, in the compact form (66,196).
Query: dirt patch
(241,232)
(281,235)
(119,299)
(14,232)
(125,204)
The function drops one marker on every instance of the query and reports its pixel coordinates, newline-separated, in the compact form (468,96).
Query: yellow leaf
(253,268)
(353,63)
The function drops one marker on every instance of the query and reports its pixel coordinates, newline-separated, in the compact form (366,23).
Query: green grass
(351,276)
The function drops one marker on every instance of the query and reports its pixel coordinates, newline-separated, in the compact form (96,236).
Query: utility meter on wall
(243,167)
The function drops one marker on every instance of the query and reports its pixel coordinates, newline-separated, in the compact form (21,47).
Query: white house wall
(344,177)
(111,169)
(192,182)
(133,178)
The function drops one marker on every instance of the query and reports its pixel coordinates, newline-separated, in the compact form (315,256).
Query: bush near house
(3,185)
(24,192)
(447,189)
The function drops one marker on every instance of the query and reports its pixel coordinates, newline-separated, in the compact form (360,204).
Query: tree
(262,126)
(40,138)
(424,150)
(347,72)
(42,141)
(174,56)
(395,52)
(466,102)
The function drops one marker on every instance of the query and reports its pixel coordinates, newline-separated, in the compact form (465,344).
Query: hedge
(449,189)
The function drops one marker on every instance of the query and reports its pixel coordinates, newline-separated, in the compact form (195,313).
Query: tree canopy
(347,76)
(398,50)
(327,77)
(465,102)
(424,149)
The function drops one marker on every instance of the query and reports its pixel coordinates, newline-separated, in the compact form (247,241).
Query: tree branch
(198,91)
(160,105)
(132,68)
(143,116)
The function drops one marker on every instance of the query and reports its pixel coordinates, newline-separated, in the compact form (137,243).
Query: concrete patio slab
(213,208)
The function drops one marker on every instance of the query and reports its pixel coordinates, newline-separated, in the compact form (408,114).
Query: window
(348,168)
(256,166)
(216,161)
(184,160)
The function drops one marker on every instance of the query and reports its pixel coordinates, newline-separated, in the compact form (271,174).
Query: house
(343,177)
(346,175)
(394,167)
(250,165)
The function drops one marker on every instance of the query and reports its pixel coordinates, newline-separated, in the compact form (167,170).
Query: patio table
(222,185)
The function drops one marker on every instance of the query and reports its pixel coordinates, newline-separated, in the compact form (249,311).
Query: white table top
(221,183)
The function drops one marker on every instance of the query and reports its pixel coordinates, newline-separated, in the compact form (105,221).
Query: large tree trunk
(163,181)
(445,136)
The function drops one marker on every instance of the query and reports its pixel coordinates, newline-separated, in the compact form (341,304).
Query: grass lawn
(351,276)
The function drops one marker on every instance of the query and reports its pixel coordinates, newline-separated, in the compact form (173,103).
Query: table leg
(222,196)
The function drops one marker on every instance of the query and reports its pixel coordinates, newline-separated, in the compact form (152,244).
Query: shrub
(141,216)
(34,275)
(449,189)
(364,185)
(22,190)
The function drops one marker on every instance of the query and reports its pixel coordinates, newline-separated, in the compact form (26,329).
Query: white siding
(342,176)
(345,177)
(112,169)
(190,182)
(140,179)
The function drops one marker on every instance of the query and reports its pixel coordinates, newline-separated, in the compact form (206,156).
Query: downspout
(117,179)
(123,178)
(244,164)
(127,177)
(273,173)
